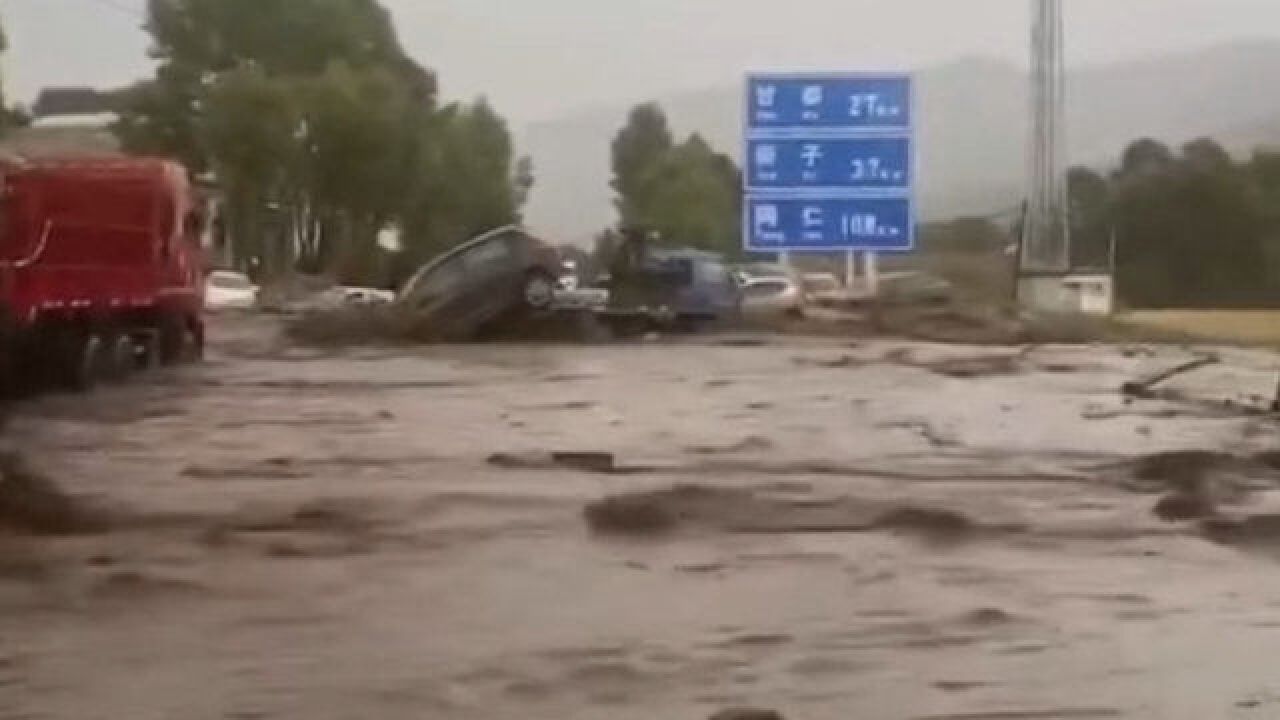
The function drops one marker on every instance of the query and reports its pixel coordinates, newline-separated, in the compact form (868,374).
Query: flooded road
(833,530)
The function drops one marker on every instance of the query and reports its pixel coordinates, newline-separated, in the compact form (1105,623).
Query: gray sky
(536,60)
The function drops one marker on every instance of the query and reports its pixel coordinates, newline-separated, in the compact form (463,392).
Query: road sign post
(830,163)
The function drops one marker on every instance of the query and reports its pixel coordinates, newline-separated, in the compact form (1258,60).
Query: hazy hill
(973,119)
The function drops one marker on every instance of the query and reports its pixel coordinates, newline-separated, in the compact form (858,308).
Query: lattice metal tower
(1046,242)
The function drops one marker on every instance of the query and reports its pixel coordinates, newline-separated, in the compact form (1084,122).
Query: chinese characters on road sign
(829,163)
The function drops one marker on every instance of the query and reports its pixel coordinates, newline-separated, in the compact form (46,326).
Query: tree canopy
(321,132)
(687,193)
(1191,229)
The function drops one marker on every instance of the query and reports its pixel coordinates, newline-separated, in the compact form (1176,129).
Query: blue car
(689,288)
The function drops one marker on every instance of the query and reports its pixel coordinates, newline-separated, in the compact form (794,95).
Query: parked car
(772,295)
(366,296)
(494,275)
(226,290)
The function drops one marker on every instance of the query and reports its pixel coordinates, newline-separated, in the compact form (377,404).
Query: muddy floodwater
(829,529)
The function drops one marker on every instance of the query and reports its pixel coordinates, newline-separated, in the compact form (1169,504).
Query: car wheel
(539,290)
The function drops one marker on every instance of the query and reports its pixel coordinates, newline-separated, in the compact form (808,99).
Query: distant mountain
(973,124)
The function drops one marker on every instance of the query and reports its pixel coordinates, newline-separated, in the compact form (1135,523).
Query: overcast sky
(540,58)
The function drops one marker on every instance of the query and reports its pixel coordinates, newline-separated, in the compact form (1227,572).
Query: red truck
(100,269)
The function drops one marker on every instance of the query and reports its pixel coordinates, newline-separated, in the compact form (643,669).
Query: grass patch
(1243,327)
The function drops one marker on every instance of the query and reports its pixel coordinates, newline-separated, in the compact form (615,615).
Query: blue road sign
(882,224)
(830,163)
(862,163)
(830,102)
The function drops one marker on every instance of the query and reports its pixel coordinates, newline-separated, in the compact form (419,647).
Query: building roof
(65,101)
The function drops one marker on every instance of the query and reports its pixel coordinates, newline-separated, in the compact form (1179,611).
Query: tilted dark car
(488,278)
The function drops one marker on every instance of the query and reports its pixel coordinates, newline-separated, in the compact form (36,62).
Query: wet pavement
(857,530)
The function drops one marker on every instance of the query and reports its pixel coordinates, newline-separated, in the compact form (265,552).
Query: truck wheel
(84,358)
(121,357)
(148,357)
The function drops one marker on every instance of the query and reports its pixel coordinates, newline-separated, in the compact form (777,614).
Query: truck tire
(148,357)
(84,360)
(120,357)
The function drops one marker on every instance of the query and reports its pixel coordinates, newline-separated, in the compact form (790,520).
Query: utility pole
(1046,235)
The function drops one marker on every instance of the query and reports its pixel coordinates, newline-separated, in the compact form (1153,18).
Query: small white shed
(1091,293)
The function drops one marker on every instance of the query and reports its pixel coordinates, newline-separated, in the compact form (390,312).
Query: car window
(491,256)
(767,288)
(443,279)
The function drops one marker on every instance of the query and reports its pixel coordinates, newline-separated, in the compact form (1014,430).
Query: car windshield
(230,281)
(805,360)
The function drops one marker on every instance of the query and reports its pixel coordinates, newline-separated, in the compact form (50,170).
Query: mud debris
(837,363)
(279,470)
(1254,530)
(976,367)
(747,714)
(737,511)
(1145,387)
(32,503)
(1180,506)
(961,368)
(134,585)
(1184,471)
(580,461)
(928,522)
(749,444)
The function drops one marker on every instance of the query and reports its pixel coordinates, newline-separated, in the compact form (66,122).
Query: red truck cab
(100,267)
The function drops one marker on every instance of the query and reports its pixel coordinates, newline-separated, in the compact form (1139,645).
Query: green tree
(340,134)
(1146,157)
(1206,154)
(523,181)
(639,148)
(1090,197)
(354,161)
(4,114)
(468,181)
(249,124)
(196,40)
(693,198)
(1191,230)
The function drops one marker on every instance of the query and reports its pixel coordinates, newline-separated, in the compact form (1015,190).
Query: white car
(582,299)
(225,290)
(770,295)
(366,296)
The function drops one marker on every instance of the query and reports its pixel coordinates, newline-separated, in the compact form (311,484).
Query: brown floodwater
(833,530)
